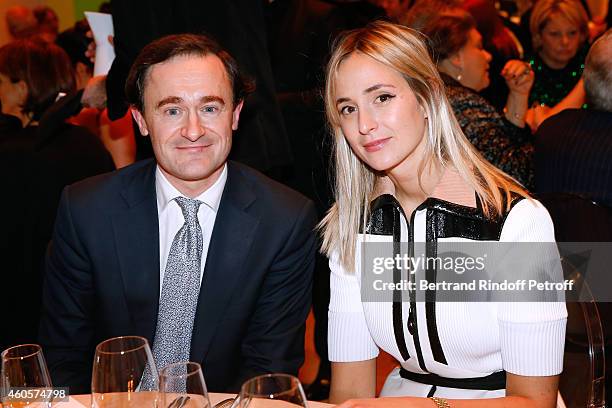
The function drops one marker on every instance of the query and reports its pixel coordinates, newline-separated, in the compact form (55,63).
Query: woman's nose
(367,122)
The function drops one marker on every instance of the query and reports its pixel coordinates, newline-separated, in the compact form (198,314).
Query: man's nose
(193,128)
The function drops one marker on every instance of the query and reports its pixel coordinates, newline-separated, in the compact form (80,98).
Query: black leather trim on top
(443,219)
(431,251)
(385,212)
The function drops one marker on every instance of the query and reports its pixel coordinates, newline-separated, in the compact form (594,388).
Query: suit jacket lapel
(136,230)
(231,240)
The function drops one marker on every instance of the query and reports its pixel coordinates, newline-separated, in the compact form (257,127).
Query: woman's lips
(376,144)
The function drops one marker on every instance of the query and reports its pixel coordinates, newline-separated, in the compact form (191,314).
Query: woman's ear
(453,65)
(457,60)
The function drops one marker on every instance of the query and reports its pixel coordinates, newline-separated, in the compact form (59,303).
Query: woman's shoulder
(528,220)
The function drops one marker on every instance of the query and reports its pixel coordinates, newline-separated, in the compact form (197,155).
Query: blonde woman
(405,172)
(559,33)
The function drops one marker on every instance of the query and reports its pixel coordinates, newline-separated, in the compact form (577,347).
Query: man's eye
(172,111)
(347,110)
(210,109)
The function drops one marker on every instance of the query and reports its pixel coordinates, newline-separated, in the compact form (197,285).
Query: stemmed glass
(182,385)
(272,390)
(25,366)
(124,374)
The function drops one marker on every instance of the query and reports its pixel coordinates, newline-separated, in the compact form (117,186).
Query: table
(85,400)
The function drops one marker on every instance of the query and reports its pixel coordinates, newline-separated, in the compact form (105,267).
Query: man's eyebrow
(212,98)
(204,99)
(169,100)
(366,91)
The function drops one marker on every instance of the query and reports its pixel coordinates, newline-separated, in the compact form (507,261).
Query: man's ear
(140,120)
(236,115)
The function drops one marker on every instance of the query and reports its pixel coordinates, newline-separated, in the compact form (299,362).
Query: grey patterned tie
(180,289)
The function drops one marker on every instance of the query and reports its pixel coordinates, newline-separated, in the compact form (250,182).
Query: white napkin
(102,26)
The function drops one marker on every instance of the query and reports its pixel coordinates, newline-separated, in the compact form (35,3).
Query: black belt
(495,381)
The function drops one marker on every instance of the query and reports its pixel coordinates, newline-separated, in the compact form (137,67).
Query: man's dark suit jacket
(238,25)
(573,154)
(102,276)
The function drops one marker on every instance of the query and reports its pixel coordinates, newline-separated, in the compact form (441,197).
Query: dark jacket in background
(36,163)
(261,140)
(574,154)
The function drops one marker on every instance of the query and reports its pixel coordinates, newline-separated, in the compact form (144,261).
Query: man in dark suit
(574,148)
(208,259)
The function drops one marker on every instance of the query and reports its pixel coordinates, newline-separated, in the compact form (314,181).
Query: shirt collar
(166,192)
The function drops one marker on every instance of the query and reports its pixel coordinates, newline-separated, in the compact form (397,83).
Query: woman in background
(505,141)
(39,156)
(559,32)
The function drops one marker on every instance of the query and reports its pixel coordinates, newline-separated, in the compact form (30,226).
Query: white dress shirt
(171,217)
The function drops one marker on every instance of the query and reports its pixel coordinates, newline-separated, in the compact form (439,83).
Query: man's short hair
(171,46)
(20,22)
(598,73)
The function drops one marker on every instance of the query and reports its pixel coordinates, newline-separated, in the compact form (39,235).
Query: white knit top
(523,338)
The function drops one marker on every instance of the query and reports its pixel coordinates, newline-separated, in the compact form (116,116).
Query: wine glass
(24,366)
(124,374)
(271,391)
(182,385)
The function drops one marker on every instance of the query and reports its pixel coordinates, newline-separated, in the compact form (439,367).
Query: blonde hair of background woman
(403,50)
(543,10)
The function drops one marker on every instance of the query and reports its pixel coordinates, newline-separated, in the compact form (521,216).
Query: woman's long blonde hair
(403,50)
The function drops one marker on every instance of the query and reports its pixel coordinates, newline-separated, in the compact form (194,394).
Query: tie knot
(189,207)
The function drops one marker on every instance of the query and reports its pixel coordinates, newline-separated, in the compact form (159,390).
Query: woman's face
(11,96)
(474,62)
(379,114)
(560,41)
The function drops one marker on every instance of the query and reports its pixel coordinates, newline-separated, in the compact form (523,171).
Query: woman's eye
(384,98)
(347,110)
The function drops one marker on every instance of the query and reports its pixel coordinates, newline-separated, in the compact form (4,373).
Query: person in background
(406,173)
(39,156)
(573,148)
(48,22)
(21,22)
(118,135)
(500,42)
(505,141)
(559,32)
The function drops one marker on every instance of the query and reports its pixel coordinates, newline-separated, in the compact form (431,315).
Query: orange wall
(68,11)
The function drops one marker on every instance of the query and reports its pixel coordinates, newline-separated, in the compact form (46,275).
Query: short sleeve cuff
(349,338)
(533,349)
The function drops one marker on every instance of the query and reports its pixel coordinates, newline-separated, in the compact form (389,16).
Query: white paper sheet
(102,26)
